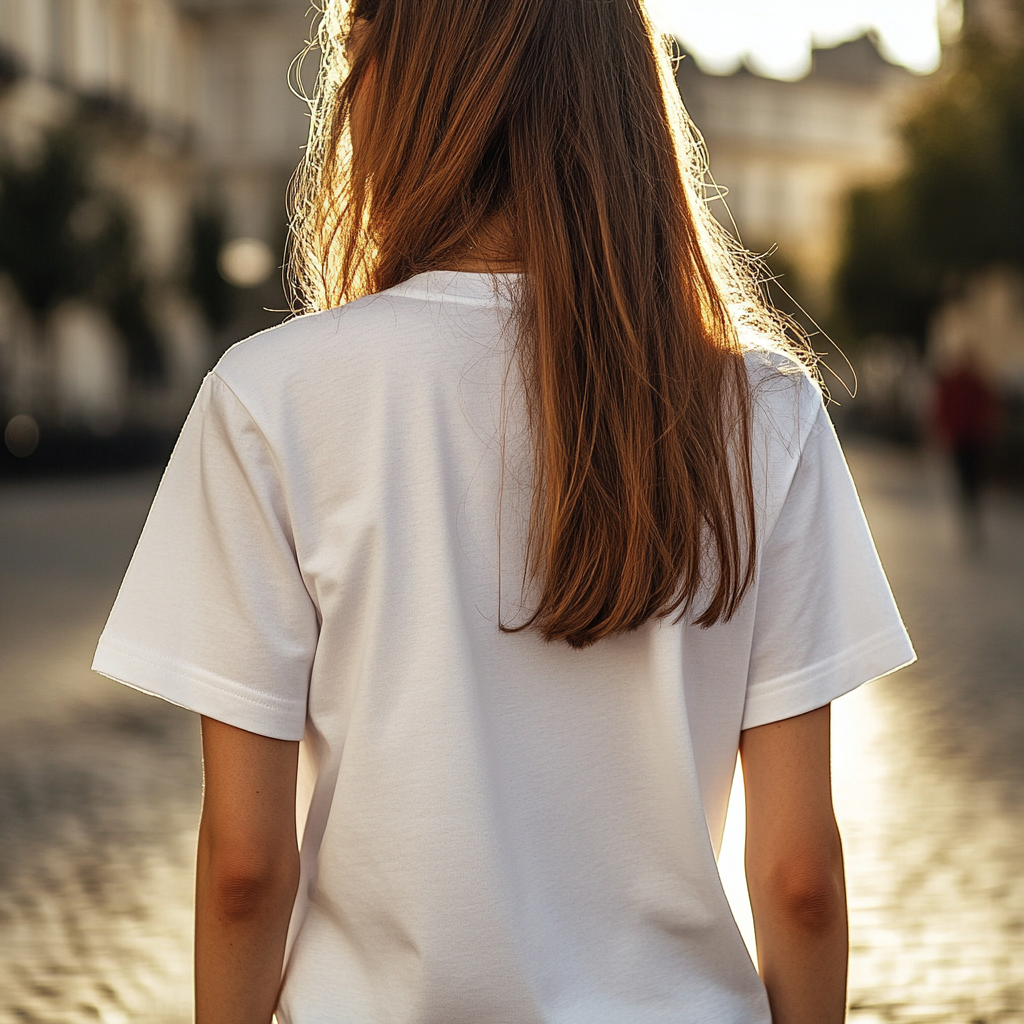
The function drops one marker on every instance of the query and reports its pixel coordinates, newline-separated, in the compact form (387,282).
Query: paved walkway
(929,771)
(99,786)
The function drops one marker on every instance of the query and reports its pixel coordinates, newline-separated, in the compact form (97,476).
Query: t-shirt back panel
(498,828)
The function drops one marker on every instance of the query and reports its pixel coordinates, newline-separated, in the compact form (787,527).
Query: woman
(487,566)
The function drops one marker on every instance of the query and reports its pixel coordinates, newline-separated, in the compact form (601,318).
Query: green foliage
(61,237)
(883,285)
(957,208)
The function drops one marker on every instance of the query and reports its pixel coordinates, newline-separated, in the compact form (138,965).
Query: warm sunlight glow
(730,863)
(776,37)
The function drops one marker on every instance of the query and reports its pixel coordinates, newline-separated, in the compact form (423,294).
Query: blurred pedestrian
(488,566)
(966,407)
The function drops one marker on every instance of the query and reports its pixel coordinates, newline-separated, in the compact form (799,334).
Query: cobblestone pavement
(929,772)
(99,786)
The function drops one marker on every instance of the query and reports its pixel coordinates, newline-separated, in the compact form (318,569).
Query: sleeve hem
(199,690)
(820,684)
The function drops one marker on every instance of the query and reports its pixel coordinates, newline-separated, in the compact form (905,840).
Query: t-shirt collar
(478,289)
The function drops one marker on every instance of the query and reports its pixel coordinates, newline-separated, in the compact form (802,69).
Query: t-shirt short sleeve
(825,618)
(213,613)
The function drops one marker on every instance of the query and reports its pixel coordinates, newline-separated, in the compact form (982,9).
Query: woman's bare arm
(246,874)
(794,861)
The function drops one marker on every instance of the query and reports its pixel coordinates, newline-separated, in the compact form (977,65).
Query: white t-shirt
(495,830)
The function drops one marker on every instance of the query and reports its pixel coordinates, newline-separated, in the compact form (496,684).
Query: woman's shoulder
(343,347)
(302,341)
(786,394)
(774,365)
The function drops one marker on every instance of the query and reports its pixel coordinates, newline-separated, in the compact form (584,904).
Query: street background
(870,150)
(100,785)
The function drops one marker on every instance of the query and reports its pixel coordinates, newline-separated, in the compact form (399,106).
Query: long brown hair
(560,119)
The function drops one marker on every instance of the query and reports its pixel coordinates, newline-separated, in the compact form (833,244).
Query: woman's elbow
(808,891)
(240,889)
(813,900)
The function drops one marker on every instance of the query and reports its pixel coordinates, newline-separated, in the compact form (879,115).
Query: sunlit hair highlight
(561,120)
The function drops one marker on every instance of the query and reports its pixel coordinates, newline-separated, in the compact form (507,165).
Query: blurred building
(999,19)
(195,118)
(787,152)
(248,126)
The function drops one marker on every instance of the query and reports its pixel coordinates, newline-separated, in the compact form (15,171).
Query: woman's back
(497,829)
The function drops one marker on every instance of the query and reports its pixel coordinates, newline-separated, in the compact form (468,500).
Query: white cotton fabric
(495,830)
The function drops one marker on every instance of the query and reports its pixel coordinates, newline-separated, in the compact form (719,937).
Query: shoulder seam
(803,438)
(252,419)
(271,450)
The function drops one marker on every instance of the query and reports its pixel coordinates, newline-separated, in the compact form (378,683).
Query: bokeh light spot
(246,262)
(21,435)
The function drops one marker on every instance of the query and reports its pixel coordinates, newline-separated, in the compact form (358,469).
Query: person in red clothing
(965,416)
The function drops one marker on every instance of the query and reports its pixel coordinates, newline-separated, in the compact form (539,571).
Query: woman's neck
(490,251)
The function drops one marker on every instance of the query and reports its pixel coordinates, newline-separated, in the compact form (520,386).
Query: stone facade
(198,94)
(209,79)
(203,88)
(786,153)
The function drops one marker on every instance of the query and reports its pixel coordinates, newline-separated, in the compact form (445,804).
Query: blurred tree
(959,204)
(205,282)
(61,237)
(9,67)
(884,287)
